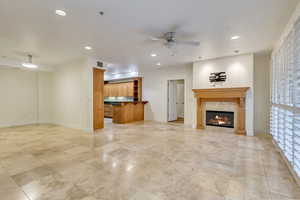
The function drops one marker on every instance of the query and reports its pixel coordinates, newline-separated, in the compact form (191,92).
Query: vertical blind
(285,111)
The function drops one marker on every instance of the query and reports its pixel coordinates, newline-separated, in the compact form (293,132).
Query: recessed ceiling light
(235,37)
(60,12)
(88,48)
(153,55)
(158,64)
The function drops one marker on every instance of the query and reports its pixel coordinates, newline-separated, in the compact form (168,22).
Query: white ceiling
(121,36)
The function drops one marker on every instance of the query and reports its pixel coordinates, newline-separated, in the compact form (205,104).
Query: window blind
(285,110)
(297,143)
(297,65)
(296,99)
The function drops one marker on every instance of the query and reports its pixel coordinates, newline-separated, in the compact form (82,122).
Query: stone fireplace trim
(237,95)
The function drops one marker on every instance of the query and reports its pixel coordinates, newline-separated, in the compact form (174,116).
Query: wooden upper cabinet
(106,90)
(110,92)
(119,89)
(130,89)
(124,89)
(114,90)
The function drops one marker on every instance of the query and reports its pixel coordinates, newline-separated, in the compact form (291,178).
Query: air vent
(99,64)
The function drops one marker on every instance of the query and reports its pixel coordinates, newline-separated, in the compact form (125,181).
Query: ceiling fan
(15,62)
(169,40)
(29,64)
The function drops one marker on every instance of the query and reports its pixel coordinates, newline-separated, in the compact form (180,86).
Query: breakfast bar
(127,112)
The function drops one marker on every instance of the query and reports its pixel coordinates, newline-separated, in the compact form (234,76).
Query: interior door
(180,100)
(172,94)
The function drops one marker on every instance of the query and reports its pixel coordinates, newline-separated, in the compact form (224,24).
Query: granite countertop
(116,102)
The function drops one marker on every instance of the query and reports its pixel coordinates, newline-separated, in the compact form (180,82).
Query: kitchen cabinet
(106,90)
(125,89)
(121,90)
(108,112)
(113,90)
(127,112)
(129,89)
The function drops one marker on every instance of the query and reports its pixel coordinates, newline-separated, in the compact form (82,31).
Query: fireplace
(220,118)
(236,95)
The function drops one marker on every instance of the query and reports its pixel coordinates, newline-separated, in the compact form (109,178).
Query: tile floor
(142,161)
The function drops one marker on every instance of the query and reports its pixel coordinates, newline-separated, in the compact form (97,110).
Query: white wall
(295,15)
(25,97)
(18,102)
(239,70)
(72,95)
(156,92)
(45,97)
(63,96)
(261,93)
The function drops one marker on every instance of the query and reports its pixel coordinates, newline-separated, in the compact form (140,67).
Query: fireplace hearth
(220,118)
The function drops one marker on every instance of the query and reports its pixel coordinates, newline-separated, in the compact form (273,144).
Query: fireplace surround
(236,95)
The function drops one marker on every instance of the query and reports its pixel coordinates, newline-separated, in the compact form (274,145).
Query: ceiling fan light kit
(29,64)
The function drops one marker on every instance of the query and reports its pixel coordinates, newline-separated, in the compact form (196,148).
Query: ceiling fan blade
(190,43)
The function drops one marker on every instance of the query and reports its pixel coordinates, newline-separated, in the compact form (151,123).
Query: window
(285,111)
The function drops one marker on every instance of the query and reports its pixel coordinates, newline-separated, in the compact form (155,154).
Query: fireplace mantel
(236,95)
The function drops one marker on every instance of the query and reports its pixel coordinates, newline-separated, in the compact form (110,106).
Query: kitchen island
(127,111)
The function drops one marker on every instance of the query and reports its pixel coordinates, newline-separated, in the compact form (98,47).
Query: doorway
(176,101)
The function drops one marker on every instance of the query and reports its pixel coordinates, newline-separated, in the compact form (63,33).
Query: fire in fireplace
(220,118)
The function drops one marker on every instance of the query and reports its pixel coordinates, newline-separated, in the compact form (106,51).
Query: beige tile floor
(142,161)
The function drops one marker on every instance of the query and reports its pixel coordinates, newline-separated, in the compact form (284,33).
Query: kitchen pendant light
(29,64)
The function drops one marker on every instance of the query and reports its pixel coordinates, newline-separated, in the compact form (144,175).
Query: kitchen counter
(126,111)
(111,102)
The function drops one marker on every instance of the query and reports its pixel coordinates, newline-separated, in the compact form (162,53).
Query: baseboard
(17,124)
(45,122)
(89,130)
(250,132)
(292,171)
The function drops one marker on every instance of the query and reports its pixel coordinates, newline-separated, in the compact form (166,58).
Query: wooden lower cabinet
(128,112)
(108,110)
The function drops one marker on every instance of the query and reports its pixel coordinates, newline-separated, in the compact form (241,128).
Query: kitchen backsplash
(116,99)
